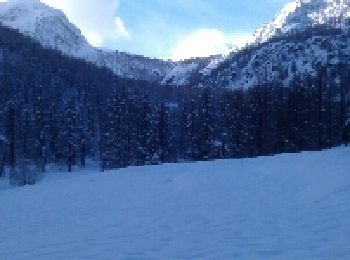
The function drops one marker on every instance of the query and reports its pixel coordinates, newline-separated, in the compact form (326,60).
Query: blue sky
(168,28)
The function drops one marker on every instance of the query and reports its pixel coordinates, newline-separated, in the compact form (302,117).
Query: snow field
(291,206)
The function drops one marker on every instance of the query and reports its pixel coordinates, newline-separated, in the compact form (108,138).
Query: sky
(175,29)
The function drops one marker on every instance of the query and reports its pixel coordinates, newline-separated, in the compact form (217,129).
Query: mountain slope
(271,56)
(300,14)
(53,30)
(49,26)
(292,206)
(302,38)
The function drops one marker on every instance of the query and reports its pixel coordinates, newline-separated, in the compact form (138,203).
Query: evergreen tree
(60,110)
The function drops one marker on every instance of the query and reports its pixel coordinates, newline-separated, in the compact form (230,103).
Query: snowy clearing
(292,206)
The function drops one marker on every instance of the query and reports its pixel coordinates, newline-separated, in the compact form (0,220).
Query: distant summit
(301,14)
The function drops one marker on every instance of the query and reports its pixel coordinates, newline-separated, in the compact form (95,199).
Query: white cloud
(94,39)
(206,42)
(122,31)
(95,18)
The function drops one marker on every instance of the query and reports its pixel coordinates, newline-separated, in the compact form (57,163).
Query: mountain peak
(301,14)
(26,8)
(36,19)
(47,25)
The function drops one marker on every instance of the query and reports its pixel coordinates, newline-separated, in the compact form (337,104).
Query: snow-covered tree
(61,110)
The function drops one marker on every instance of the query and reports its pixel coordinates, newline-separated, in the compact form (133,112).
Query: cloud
(175,29)
(122,31)
(94,39)
(206,42)
(96,19)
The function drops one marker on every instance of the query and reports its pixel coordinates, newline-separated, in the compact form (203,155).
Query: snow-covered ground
(292,206)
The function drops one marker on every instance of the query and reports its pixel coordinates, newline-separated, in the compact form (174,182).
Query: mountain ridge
(305,35)
(36,20)
(299,14)
(53,30)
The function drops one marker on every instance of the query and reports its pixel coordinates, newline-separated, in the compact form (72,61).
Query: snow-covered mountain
(300,14)
(45,24)
(305,35)
(187,71)
(53,30)
(273,51)
(242,68)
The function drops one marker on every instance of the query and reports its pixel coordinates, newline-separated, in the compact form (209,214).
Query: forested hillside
(61,110)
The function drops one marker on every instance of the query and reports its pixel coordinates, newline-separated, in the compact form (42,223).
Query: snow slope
(49,26)
(292,39)
(267,59)
(274,61)
(300,14)
(188,71)
(292,206)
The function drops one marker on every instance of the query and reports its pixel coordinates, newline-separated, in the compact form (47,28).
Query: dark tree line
(59,110)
